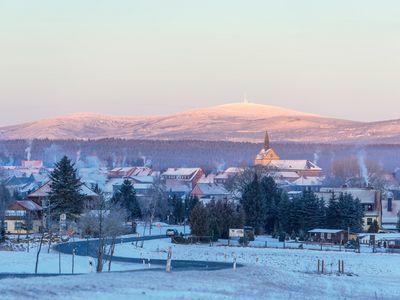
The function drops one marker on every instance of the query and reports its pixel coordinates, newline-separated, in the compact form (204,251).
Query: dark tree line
(268,209)
(163,154)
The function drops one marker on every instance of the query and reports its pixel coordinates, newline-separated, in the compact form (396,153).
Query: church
(300,173)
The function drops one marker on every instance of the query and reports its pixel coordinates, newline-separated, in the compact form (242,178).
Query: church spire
(266,141)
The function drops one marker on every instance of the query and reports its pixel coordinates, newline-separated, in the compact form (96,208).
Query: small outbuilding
(335,236)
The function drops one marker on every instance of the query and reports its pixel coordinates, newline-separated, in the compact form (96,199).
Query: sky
(139,57)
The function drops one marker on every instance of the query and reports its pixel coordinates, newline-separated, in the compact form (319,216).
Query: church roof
(294,165)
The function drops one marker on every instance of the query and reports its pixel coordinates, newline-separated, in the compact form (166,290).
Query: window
(389,207)
(329,236)
(15,213)
(5,225)
(19,225)
(369,221)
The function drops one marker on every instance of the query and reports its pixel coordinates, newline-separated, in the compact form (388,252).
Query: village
(29,186)
(189,221)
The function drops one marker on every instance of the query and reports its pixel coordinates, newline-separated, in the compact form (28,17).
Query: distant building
(181,181)
(23,217)
(121,172)
(390,209)
(224,176)
(32,164)
(41,195)
(336,236)
(292,174)
(210,191)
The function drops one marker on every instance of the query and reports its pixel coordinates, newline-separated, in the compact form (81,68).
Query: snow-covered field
(268,274)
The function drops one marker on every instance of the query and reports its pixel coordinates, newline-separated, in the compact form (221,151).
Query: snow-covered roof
(286,174)
(210,189)
(181,172)
(207,179)
(45,189)
(143,179)
(294,165)
(29,205)
(142,186)
(364,195)
(178,187)
(321,230)
(234,170)
(308,181)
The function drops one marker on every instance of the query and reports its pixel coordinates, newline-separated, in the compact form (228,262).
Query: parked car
(171,232)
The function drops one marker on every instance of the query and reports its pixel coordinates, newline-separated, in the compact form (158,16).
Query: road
(89,248)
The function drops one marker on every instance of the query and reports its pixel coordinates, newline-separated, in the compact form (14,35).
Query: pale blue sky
(336,58)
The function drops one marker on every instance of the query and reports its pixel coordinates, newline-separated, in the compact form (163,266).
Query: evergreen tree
(126,198)
(178,209)
(345,212)
(253,205)
(333,214)
(286,213)
(65,196)
(311,214)
(190,203)
(271,196)
(199,222)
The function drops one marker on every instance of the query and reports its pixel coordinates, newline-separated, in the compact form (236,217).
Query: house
(390,209)
(223,177)
(41,195)
(23,217)
(211,191)
(121,172)
(371,201)
(335,236)
(181,181)
(292,174)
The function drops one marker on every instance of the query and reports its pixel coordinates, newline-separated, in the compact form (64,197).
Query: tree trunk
(100,253)
(38,252)
(111,254)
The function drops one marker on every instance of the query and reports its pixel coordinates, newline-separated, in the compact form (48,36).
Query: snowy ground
(268,273)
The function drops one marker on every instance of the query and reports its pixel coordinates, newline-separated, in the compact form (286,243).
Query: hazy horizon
(337,59)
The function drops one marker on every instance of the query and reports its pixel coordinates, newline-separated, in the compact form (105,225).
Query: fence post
(73,260)
(322,269)
(339,265)
(234,263)
(318,266)
(168,268)
(342,266)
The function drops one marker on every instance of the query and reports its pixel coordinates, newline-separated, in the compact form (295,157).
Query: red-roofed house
(23,217)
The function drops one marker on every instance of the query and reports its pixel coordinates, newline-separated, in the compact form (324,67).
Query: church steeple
(266,141)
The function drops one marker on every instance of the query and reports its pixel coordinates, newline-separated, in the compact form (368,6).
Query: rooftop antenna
(245,101)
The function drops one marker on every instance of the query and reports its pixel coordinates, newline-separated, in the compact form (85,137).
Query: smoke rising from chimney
(363,166)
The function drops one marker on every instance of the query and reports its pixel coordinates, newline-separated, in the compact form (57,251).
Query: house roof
(363,194)
(29,205)
(307,181)
(294,165)
(178,187)
(181,171)
(45,189)
(210,189)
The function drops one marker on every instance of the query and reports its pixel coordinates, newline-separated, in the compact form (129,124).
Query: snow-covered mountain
(230,122)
